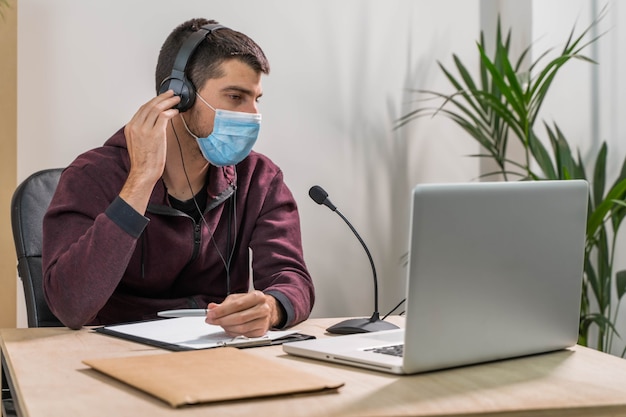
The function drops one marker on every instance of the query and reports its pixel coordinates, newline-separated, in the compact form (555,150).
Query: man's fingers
(241,314)
(235,303)
(255,328)
(150,112)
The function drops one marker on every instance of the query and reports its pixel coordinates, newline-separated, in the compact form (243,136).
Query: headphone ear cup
(178,81)
(182,88)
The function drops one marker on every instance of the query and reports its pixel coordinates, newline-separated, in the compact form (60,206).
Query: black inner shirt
(189,206)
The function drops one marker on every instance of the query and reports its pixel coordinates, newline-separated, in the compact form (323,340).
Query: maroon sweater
(105,263)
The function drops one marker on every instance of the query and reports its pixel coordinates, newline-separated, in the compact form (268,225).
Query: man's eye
(234,97)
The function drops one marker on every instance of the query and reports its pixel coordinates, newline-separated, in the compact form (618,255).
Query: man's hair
(219,46)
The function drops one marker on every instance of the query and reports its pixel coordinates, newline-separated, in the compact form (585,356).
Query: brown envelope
(201,376)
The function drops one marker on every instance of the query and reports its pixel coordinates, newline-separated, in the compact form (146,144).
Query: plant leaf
(596,218)
(599,175)
(620,283)
(541,155)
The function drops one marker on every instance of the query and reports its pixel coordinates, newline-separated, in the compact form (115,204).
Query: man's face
(238,90)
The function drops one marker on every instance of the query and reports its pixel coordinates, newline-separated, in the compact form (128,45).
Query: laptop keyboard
(395,350)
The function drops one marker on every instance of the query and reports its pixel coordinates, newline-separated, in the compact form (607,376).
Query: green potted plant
(501,104)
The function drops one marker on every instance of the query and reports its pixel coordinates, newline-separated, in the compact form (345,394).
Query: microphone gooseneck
(374,323)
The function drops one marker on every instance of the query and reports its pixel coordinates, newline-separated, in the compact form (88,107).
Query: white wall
(341,74)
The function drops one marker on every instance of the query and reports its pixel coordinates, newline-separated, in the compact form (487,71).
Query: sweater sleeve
(278,263)
(88,240)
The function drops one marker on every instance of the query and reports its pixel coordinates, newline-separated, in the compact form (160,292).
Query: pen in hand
(185,312)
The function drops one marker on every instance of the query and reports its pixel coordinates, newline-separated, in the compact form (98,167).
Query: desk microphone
(374,323)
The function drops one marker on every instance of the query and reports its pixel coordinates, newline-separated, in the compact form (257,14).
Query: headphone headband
(178,81)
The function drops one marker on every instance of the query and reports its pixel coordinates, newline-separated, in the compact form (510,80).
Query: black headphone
(178,81)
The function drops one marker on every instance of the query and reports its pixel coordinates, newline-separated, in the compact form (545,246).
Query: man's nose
(252,108)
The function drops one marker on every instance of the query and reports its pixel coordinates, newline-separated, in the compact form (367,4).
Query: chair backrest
(28,206)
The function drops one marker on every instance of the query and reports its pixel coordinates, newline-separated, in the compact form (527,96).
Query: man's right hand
(146,140)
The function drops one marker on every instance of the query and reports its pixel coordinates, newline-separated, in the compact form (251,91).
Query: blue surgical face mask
(234,134)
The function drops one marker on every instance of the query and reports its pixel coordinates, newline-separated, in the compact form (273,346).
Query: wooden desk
(44,367)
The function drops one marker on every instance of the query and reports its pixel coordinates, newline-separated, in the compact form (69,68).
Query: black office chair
(28,206)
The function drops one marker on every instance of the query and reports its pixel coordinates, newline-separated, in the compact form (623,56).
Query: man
(165,214)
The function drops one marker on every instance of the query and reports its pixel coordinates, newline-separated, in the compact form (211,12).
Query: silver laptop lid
(495,271)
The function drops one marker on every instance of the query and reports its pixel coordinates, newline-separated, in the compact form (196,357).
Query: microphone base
(364,325)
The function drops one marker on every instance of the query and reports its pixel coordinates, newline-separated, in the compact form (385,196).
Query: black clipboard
(240,343)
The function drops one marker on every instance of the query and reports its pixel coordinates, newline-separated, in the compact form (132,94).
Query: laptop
(494,272)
